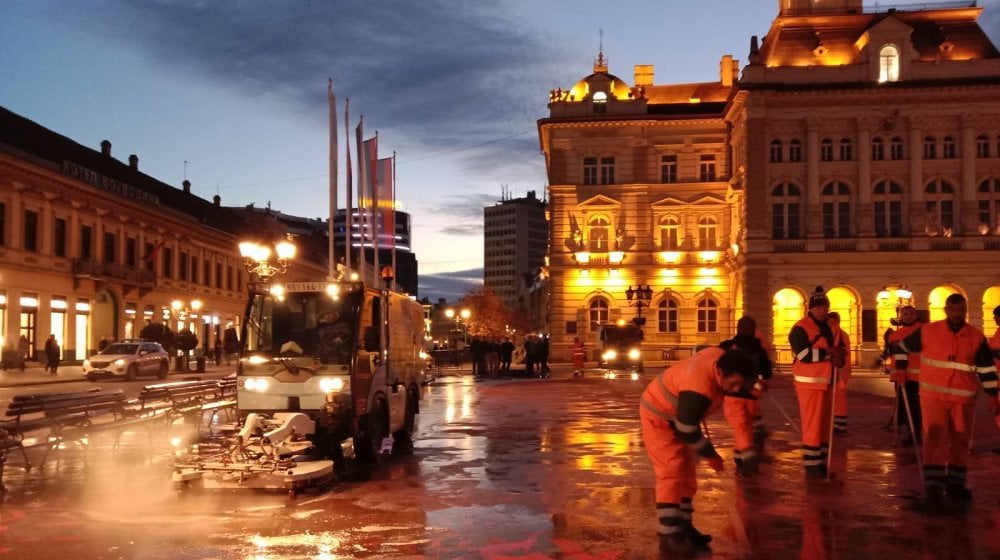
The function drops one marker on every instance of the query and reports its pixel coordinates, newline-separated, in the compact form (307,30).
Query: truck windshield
(304,324)
(622,336)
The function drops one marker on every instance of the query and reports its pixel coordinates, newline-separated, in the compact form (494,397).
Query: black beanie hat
(818,298)
(735,360)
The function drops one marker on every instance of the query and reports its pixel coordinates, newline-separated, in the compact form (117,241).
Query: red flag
(384,190)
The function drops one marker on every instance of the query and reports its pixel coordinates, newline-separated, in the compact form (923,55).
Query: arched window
(982,146)
(888,199)
(846,149)
(667,316)
(598,311)
(878,149)
(598,227)
(600,102)
(670,234)
(786,201)
(896,148)
(888,64)
(795,150)
(826,150)
(776,151)
(708,316)
(835,199)
(930,147)
(708,234)
(988,199)
(948,149)
(939,201)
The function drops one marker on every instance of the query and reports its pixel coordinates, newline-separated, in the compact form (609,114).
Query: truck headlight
(258,385)
(634,354)
(609,355)
(331,384)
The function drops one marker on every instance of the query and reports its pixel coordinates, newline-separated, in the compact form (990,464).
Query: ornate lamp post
(259,263)
(461,318)
(186,314)
(639,297)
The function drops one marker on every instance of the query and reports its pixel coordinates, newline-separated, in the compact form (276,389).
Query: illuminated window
(888,64)
(930,147)
(896,148)
(835,200)
(666,316)
(988,198)
(708,316)
(795,150)
(939,197)
(707,167)
(888,199)
(878,149)
(670,234)
(600,102)
(598,311)
(668,169)
(826,150)
(982,146)
(598,227)
(590,171)
(607,170)
(708,234)
(846,149)
(786,200)
(776,151)
(948,148)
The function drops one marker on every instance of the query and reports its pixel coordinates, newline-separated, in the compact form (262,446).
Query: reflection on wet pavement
(509,469)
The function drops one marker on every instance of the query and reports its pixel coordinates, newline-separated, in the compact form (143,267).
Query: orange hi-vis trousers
(814,409)
(744,416)
(673,460)
(946,430)
(840,404)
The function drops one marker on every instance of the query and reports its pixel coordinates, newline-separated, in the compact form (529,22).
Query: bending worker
(672,409)
(953,354)
(818,353)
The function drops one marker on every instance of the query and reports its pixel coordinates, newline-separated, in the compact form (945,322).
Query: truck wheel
(370,448)
(402,443)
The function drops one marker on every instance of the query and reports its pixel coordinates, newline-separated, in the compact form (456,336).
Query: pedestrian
(818,355)
(103,343)
(543,356)
(217,350)
(743,414)
(230,343)
(908,378)
(23,351)
(843,374)
(953,354)
(671,410)
(51,354)
(579,355)
(530,354)
(506,353)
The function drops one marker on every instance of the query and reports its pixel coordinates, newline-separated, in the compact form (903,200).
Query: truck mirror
(371,339)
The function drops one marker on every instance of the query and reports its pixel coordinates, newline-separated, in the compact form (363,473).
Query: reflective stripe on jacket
(812,367)
(912,360)
(951,361)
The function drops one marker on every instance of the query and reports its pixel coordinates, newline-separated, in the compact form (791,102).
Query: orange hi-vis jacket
(913,360)
(950,362)
(685,394)
(995,346)
(812,368)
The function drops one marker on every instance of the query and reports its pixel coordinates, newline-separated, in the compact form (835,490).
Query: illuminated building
(859,150)
(515,239)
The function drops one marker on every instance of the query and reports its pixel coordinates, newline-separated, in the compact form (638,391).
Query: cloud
(451,286)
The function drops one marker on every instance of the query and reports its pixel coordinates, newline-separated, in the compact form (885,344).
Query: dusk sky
(238,90)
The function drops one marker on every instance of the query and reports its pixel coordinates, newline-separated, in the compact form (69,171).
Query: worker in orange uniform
(759,428)
(995,339)
(908,379)
(818,355)
(953,354)
(843,374)
(743,414)
(579,355)
(672,409)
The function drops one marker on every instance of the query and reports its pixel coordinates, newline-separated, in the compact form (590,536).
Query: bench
(178,399)
(63,415)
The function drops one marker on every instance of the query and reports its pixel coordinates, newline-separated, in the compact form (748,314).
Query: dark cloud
(449,285)
(445,73)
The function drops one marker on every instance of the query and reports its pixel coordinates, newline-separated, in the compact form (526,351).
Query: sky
(233,95)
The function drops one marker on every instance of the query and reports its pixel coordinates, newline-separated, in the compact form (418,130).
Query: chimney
(187,186)
(133,162)
(729,70)
(105,148)
(217,200)
(644,75)
(754,50)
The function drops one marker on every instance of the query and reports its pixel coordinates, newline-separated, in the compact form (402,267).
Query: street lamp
(461,318)
(639,297)
(186,314)
(258,258)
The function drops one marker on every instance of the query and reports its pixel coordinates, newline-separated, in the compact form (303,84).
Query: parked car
(128,359)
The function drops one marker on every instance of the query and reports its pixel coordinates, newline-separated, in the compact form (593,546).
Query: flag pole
(393,210)
(375,211)
(349,213)
(333,178)
(362,202)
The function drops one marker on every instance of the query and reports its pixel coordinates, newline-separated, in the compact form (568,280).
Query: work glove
(838,357)
(897,376)
(715,461)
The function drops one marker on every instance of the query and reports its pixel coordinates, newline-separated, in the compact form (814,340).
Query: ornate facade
(859,151)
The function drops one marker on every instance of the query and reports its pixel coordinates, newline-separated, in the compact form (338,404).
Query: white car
(128,359)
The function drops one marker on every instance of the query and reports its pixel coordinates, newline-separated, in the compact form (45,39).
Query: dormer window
(888,64)
(600,102)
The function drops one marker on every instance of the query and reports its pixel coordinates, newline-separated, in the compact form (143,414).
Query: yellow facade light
(616,257)
(670,257)
(708,256)
(582,257)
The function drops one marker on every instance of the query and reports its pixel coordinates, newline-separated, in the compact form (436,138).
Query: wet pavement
(513,468)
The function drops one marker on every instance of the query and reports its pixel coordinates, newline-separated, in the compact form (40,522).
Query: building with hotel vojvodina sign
(858,150)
